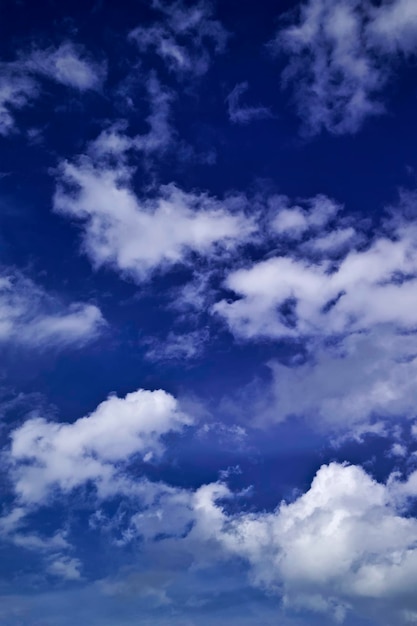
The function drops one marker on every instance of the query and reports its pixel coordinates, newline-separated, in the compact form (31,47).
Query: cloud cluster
(340,56)
(29,316)
(345,545)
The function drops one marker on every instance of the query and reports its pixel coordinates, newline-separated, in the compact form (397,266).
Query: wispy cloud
(185,38)
(69,65)
(31,317)
(16,92)
(243,114)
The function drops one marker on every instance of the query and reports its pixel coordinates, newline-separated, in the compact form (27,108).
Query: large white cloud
(342,545)
(47,455)
(29,316)
(340,56)
(136,236)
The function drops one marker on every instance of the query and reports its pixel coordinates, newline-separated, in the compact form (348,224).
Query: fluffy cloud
(342,545)
(138,236)
(31,317)
(47,455)
(243,114)
(292,296)
(184,39)
(349,300)
(340,55)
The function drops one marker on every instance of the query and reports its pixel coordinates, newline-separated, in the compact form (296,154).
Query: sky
(208,313)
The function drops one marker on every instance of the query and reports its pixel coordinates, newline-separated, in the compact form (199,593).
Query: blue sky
(208,313)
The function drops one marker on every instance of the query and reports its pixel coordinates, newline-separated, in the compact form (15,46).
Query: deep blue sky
(208,281)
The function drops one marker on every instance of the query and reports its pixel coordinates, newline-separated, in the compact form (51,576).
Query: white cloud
(350,301)
(341,546)
(29,316)
(47,455)
(292,296)
(184,39)
(340,56)
(16,92)
(137,236)
(68,64)
(241,114)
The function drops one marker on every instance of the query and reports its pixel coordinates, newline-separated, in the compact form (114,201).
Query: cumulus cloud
(185,38)
(243,114)
(137,236)
(343,545)
(46,455)
(340,56)
(29,316)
